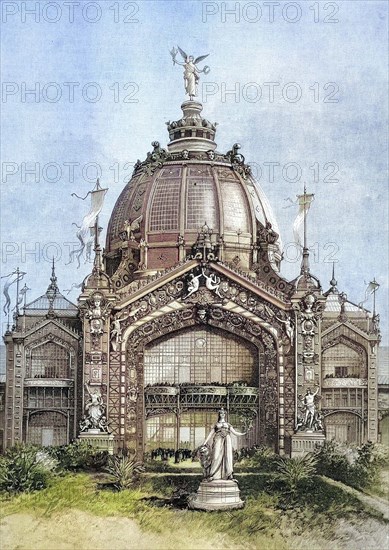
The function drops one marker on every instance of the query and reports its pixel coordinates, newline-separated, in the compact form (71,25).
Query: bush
(123,471)
(293,473)
(79,455)
(356,466)
(25,469)
(261,459)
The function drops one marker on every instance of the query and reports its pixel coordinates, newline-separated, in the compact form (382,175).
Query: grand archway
(246,349)
(188,376)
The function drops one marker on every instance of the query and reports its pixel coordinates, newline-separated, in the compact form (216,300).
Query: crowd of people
(245,452)
(165,454)
(179,455)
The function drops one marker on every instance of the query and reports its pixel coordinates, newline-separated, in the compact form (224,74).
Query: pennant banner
(15,276)
(84,234)
(304,202)
(370,289)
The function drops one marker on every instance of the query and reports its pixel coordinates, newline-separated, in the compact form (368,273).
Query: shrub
(25,469)
(261,458)
(79,455)
(358,467)
(123,471)
(293,473)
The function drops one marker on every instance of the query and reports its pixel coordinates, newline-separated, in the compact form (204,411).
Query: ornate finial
(52,289)
(191,72)
(333,281)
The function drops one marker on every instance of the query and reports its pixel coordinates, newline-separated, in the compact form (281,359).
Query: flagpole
(17,292)
(374,291)
(305,216)
(305,259)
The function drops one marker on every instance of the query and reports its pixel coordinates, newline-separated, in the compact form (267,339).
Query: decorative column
(95,308)
(309,430)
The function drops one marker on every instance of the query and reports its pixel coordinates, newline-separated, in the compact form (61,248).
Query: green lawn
(157,504)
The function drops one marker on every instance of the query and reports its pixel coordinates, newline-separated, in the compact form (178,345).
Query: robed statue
(191,71)
(216,453)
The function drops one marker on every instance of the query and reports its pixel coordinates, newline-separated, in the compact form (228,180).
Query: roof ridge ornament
(191,71)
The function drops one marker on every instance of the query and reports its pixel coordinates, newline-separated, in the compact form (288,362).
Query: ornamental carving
(341,339)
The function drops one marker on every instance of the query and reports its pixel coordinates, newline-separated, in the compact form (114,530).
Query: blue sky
(326,124)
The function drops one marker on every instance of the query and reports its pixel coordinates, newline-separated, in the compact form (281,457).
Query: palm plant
(293,472)
(123,471)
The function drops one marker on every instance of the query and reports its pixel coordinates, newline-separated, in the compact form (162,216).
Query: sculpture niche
(218,490)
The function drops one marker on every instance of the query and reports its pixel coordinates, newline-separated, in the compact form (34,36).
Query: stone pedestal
(216,495)
(98,440)
(306,442)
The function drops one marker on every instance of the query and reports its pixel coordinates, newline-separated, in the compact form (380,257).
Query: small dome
(174,193)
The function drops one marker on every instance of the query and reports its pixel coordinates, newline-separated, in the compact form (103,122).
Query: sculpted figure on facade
(212,282)
(95,417)
(289,328)
(130,227)
(116,334)
(193,284)
(311,419)
(96,315)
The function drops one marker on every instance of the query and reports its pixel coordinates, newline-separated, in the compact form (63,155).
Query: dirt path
(77,530)
(376,503)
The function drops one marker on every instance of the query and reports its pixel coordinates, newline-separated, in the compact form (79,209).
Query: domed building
(186,312)
(176,192)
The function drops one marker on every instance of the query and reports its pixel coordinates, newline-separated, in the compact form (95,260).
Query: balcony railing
(201,396)
(344,383)
(48,382)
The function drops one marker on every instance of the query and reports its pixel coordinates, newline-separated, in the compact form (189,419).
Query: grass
(380,487)
(157,504)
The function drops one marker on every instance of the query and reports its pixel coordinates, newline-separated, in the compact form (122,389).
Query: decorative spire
(333,281)
(52,289)
(305,201)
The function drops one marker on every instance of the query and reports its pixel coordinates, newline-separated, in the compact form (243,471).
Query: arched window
(342,361)
(49,360)
(201,356)
(47,428)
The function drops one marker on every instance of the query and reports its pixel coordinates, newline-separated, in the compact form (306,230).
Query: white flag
(304,202)
(370,289)
(84,234)
(12,278)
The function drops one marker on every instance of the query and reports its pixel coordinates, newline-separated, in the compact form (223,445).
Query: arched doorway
(47,428)
(189,376)
(344,427)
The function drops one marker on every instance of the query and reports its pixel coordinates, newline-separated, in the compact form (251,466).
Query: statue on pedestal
(191,72)
(311,419)
(94,418)
(218,490)
(221,457)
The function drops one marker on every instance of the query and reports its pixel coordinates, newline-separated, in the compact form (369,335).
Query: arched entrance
(189,376)
(47,428)
(344,427)
(248,356)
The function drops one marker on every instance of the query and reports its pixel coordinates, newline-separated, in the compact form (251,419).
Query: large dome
(177,194)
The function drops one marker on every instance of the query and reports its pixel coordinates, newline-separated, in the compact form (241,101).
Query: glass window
(165,206)
(49,360)
(201,356)
(235,207)
(201,204)
(341,361)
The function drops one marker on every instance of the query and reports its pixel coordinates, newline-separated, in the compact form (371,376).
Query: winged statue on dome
(191,72)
